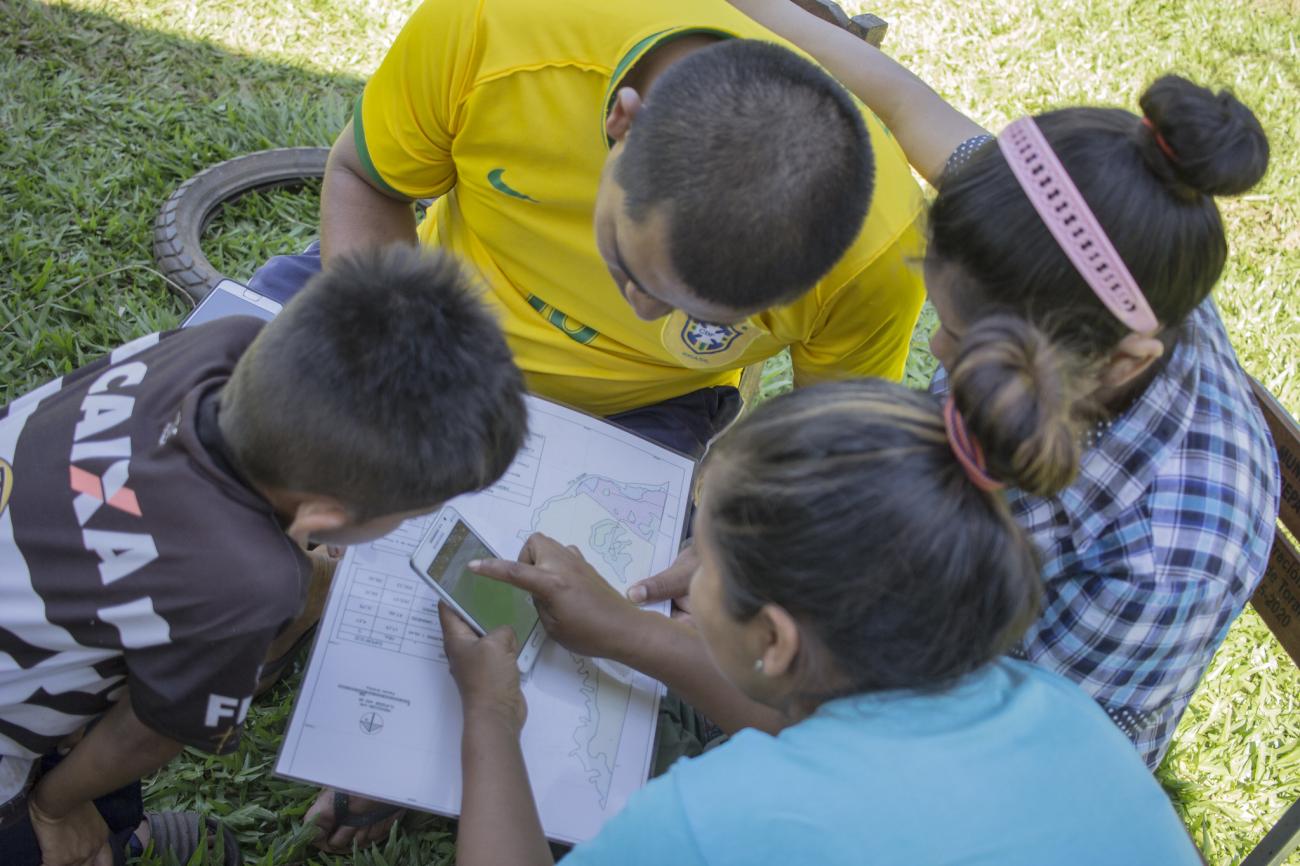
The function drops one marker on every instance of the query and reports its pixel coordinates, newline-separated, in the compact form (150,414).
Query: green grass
(107,107)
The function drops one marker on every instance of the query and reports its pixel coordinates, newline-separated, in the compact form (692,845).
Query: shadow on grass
(102,122)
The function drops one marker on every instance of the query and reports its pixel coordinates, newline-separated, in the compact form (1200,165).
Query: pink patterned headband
(968,451)
(1071,222)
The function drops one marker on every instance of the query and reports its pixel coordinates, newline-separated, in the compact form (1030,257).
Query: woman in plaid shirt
(1160,541)
(1157,545)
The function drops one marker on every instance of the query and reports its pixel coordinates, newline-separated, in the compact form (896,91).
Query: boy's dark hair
(1158,212)
(845,504)
(385,383)
(763,164)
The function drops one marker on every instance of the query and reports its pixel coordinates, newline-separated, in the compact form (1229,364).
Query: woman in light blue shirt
(860,579)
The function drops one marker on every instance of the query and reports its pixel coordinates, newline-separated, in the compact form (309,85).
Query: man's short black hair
(385,383)
(764,164)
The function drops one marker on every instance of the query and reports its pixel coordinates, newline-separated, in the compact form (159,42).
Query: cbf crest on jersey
(705,338)
(706,344)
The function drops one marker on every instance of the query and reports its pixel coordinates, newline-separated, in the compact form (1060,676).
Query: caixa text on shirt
(102,433)
(104,413)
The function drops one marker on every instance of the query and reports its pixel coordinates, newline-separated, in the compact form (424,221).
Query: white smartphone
(229,298)
(442,560)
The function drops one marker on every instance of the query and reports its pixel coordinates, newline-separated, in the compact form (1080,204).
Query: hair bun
(1219,145)
(1010,385)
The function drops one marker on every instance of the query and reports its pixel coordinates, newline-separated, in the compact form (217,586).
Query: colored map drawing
(615,525)
(610,540)
(637,507)
(600,728)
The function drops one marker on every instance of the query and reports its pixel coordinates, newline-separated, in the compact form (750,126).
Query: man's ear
(627,105)
(1130,359)
(780,634)
(315,514)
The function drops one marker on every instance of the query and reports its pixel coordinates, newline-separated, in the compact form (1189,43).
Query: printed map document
(379,715)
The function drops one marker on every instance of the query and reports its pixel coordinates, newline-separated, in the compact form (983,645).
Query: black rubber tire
(178,230)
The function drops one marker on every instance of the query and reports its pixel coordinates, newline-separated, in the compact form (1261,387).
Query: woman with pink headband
(1097,230)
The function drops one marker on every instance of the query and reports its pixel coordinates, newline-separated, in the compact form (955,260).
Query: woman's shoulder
(1014,755)
(1014,750)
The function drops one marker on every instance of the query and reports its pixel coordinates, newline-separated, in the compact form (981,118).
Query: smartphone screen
(490,602)
(228,299)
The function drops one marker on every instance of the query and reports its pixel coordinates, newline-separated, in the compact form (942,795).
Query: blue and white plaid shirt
(1158,544)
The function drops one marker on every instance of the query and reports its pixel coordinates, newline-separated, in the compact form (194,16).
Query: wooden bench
(1278,597)
(866,27)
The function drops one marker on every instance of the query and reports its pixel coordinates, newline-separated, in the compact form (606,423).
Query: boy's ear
(316,514)
(781,634)
(627,104)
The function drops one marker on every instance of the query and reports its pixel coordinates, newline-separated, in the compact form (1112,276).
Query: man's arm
(354,212)
(397,145)
(927,128)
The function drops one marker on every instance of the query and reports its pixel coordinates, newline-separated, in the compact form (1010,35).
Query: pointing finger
(529,578)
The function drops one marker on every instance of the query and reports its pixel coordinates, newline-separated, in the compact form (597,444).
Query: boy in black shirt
(155,506)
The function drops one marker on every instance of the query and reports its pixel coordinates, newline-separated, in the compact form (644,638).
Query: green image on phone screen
(490,602)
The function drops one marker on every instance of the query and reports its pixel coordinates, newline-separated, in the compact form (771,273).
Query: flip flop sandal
(345,817)
(182,834)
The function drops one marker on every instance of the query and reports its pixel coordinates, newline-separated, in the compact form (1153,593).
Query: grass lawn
(107,106)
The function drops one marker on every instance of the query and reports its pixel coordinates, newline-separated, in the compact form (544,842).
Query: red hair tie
(968,451)
(1160,140)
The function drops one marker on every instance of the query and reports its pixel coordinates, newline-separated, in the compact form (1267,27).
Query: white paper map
(379,715)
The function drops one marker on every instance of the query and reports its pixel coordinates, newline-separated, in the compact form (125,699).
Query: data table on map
(393,613)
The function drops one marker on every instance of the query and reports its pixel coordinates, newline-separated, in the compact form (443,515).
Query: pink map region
(641,515)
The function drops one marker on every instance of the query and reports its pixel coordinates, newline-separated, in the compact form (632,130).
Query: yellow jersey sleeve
(408,115)
(865,327)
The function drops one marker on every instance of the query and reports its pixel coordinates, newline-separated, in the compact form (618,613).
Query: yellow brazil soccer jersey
(497,107)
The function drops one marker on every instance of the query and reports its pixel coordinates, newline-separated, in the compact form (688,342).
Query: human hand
(674,582)
(484,668)
(79,838)
(579,609)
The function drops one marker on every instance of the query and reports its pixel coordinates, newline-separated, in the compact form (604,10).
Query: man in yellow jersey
(654,195)
(651,203)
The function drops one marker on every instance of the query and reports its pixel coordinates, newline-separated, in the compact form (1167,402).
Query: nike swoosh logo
(494,178)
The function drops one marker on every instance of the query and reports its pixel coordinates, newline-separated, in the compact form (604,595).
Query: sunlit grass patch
(106,107)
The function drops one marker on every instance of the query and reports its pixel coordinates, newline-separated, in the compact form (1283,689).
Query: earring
(758,665)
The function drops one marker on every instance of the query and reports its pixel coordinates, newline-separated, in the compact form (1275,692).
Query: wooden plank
(1286,436)
(870,28)
(1280,842)
(866,27)
(1278,597)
